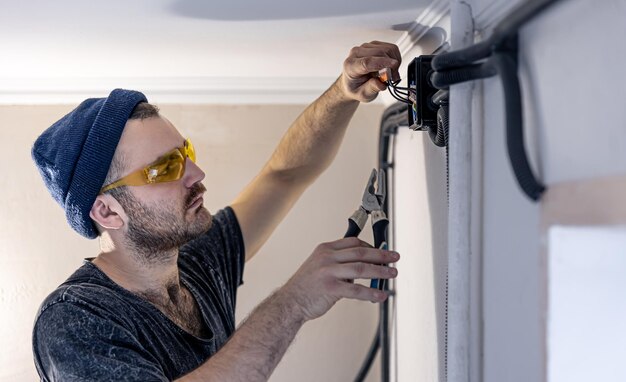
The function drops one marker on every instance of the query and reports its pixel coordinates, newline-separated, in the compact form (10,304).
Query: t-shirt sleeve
(71,343)
(222,248)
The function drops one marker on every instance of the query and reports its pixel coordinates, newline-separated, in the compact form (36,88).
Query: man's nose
(193,173)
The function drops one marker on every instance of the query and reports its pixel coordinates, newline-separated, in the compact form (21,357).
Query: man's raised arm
(311,143)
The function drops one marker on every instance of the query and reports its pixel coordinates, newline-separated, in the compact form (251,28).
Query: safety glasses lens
(170,168)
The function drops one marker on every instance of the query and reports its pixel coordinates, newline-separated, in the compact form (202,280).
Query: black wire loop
(498,55)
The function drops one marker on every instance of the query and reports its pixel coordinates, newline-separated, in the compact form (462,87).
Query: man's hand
(359,79)
(325,277)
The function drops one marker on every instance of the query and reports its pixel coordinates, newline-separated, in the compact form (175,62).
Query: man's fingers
(362,51)
(366,255)
(390,50)
(360,292)
(359,66)
(376,85)
(371,89)
(382,49)
(348,242)
(351,271)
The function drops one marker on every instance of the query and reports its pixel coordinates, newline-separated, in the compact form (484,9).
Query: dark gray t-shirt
(91,329)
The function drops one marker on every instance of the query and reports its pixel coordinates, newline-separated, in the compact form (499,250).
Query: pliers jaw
(374,197)
(372,202)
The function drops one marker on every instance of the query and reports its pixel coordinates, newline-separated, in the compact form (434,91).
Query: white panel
(420,238)
(587,309)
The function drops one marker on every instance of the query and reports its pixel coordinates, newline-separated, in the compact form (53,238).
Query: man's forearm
(312,141)
(257,346)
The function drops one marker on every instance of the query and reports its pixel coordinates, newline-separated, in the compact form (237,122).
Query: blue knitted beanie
(74,154)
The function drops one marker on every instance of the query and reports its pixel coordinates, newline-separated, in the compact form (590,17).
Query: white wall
(570,62)
(586,328)
(38,250)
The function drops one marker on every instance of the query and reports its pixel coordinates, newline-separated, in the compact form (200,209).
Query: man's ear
(107,212)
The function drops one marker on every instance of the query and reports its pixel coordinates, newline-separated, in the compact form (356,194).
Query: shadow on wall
(430,38)
(249,10)
(436,182)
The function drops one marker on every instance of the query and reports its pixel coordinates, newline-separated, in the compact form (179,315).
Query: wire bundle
(402,94)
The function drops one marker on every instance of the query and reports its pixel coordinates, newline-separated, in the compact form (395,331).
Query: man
(157,303)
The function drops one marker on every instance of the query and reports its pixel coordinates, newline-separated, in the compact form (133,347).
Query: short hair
(144,110)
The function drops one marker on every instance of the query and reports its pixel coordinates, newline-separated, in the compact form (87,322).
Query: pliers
(372,203)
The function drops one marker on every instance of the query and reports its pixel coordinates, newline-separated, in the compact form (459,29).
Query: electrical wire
(401,92)
(369,358)
(398,93)
(509,26)
(446,78)
(507,66)
(498,55)
(398,97)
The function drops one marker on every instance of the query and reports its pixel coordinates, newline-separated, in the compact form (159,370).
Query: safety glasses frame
(168,168)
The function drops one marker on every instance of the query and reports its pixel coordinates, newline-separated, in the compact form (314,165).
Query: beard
(155,230)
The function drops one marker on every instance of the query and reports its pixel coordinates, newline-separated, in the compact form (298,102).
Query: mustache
(196,190)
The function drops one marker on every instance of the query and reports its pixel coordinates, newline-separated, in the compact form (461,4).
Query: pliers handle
(380,223)
(356,223)
(372,203)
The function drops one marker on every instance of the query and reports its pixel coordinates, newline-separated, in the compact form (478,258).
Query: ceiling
(51,48)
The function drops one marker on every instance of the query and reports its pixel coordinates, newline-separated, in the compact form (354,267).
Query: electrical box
(423,112)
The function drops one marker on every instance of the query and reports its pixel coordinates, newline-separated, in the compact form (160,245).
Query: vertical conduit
(459,249)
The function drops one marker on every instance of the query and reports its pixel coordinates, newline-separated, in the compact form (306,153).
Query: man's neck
(156,281)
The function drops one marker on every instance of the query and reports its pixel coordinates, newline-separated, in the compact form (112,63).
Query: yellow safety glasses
(167,168)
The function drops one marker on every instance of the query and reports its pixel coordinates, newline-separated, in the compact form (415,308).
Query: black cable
(369,358)
(398,93)
(403,96)
(396,97)
(401,92)
(507,66)
(462,57)
(402,88)
(441,97)
(393,117)
(444,79)
(508,26)
(439,136)
(500,50)
(383,329)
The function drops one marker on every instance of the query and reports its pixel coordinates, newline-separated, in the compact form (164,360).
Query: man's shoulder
(85,289)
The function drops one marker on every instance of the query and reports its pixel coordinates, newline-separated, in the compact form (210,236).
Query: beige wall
(38,250)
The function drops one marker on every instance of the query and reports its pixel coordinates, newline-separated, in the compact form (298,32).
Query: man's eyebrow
(165,154)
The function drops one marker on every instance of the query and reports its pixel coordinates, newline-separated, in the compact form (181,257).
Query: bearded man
(157,303)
